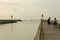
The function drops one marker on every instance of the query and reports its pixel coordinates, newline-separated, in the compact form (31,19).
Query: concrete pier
(47,32)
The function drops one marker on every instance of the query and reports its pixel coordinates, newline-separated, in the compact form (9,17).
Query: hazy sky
(29,9)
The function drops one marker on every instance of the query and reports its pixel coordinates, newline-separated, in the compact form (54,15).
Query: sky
(29,9)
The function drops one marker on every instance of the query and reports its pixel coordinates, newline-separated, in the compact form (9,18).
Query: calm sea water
(24,30)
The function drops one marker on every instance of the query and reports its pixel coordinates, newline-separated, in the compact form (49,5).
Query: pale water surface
(25,30)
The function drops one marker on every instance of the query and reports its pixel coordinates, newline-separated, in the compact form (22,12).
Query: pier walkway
(47,32)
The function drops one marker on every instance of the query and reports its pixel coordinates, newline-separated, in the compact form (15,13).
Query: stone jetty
(4,21)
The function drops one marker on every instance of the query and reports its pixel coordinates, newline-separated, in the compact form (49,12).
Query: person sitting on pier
(49,20)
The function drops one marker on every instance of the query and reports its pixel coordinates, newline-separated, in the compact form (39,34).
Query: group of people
(54,22)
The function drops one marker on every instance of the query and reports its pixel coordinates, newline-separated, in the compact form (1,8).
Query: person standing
(49,21)
(55,23)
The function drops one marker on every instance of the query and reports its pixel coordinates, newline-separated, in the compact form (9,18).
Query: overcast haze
(29,9)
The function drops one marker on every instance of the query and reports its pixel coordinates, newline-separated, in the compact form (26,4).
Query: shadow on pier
(47,32)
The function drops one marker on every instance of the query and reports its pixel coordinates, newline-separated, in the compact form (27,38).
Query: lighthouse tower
(11,16)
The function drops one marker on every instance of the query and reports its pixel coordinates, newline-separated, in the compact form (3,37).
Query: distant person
(48,21)
(55,21)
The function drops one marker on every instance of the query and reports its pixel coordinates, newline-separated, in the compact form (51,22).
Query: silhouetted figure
(49,20)
(55,21)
